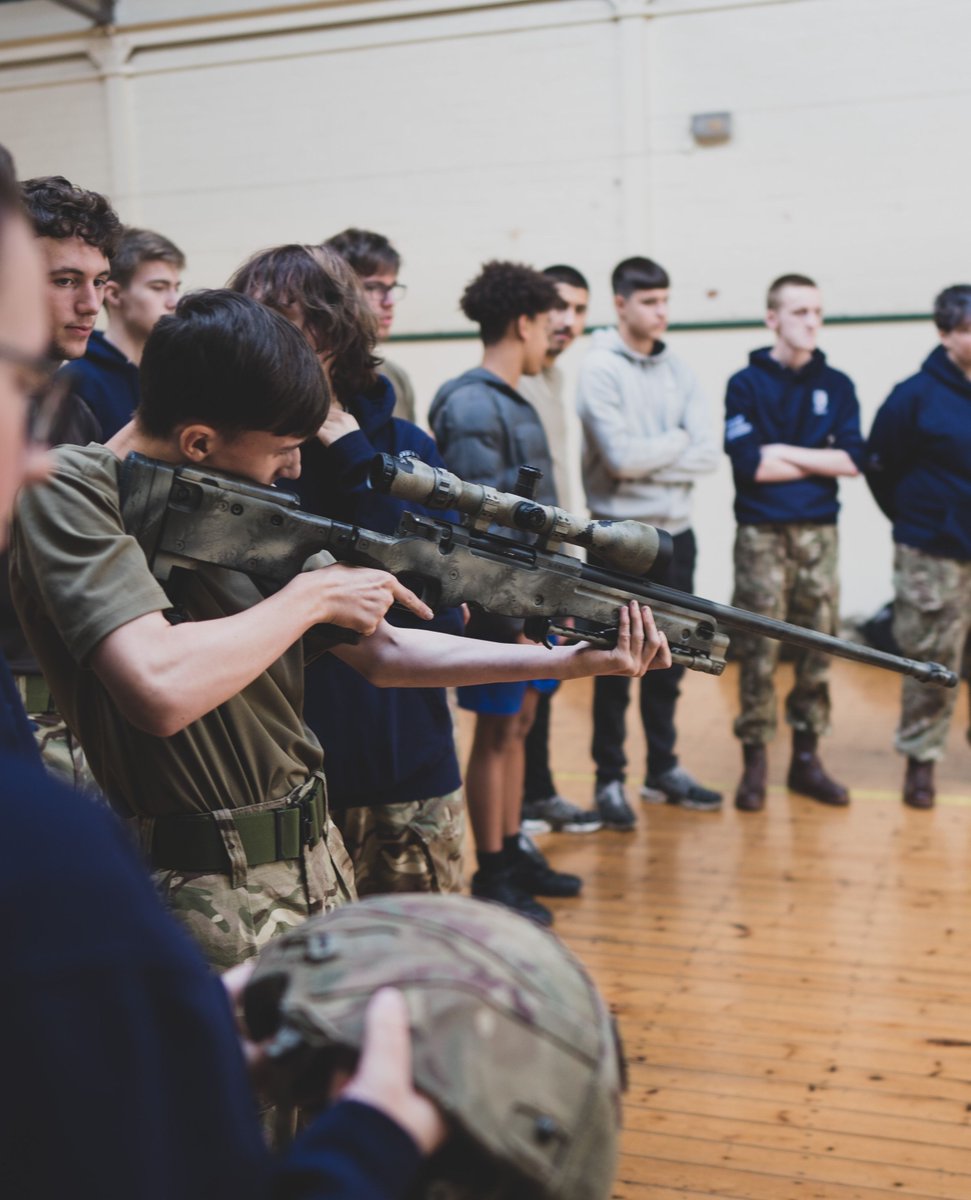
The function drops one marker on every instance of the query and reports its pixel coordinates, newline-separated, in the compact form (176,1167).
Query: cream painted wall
(544,130)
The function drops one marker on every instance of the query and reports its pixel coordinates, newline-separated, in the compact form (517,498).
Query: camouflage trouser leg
(233,916)
(59,748)
(788,572)
(412,847)
(931,619)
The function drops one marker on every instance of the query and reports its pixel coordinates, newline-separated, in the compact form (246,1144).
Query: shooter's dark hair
(638,275)
(952,307)
(58,209)
(502,292)
(318,286)
(368,253)
(784,281)
(137,246)
(568,275)
(230,362)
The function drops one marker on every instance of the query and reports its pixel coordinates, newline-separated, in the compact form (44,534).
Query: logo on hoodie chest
(820,402)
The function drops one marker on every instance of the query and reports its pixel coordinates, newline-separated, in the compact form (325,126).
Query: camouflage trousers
(931,620)
(412,847)
(59,749)
(789,572)
(232,916)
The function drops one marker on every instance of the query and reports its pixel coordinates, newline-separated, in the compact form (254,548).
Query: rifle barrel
(810,639)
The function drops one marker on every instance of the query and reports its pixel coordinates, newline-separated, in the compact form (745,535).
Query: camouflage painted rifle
(183,516)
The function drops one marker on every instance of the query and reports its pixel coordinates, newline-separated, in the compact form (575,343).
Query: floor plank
(793,987)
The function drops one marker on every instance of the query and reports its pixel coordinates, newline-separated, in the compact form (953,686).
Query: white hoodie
(646,434)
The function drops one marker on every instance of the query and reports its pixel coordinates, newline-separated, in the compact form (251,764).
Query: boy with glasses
(377,263)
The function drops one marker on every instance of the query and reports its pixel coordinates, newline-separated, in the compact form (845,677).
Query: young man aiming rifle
(188,700)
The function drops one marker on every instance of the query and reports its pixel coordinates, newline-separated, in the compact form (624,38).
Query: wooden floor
(793,987)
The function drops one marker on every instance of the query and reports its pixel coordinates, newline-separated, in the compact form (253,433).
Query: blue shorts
(501,699)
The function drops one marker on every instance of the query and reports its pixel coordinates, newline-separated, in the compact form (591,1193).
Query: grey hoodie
(646,433)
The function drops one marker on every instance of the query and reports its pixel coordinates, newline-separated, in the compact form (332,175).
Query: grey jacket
(486,431)
(647,434)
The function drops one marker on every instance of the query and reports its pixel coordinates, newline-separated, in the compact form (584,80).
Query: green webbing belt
(194,843)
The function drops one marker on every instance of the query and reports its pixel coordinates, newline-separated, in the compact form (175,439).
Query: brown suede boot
(919,784)
(807,776)
(750,796)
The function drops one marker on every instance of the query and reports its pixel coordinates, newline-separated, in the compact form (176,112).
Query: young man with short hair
(543,808)
(76,231)
(188,698)
(485,431)
(647,438)
(377,263)
(146,275)
(919,470)
(792,428)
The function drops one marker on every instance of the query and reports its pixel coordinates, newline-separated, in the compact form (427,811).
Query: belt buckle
(304,804)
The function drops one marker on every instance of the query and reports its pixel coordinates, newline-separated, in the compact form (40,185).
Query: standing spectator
(77,231)
(647,438)
(543,808)
(146,275)
(919,470)
(792,427)
(377,263)
(486,430)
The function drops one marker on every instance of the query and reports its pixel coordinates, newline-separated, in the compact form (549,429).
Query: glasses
(392,293)
(42,388)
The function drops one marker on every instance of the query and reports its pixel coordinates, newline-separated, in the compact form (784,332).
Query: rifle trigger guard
(537,629)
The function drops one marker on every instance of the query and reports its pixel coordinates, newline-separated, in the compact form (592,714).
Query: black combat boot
(750,796)
(919,784)
(807,776)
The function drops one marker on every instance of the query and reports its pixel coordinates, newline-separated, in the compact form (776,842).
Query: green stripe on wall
(468,335)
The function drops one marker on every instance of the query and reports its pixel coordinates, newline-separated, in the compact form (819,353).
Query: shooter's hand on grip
(355,600)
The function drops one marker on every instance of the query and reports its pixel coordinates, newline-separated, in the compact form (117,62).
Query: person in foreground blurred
(124,1073)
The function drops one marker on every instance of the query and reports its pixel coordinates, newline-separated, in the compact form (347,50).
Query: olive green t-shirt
(76,576)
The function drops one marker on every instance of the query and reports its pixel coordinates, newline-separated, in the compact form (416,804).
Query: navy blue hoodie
(381,745)
(919,459)
(122,1069)
(814,407)
(107,382)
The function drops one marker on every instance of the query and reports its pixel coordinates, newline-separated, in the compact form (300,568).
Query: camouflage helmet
(510,1037)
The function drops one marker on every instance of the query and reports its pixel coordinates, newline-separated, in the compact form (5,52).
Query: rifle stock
(184,516)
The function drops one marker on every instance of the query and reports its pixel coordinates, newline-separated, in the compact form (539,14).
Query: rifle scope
(628,546)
